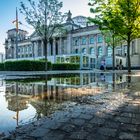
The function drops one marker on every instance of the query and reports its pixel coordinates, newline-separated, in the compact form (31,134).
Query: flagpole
(16,33)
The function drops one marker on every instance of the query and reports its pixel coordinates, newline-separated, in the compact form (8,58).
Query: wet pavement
(108,116)
(83,107)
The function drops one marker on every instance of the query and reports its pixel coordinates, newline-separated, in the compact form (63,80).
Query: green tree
(46,18)
(123,16)
(112,40)
(101,9)
(127,23)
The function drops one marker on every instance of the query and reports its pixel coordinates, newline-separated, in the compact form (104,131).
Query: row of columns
(52,48)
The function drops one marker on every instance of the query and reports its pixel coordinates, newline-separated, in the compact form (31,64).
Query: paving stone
(68,128)
(79,135)
(97,137)
(75,115)
(129,127)
(85,116)
(127,136)
(78,122)
(54,135)
(126,114)
(136,121)
(97,121)
(39,132)
(107,131)
(111,124)
(89,128)
(58,137)
(123,119)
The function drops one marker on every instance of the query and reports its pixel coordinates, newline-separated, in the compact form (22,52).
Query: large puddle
(25,100)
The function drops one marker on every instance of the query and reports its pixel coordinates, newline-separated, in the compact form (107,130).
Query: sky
(8,14)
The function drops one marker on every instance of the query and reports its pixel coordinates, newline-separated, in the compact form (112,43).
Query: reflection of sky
(7,14)
(7,122)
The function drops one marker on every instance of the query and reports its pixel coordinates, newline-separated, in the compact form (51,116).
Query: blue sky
(8,8)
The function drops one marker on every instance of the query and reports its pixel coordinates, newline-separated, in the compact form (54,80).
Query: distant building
(1,57)
(83,44)
(121,53)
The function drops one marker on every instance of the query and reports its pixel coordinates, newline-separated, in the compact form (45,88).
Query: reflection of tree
(129,80)
(16,104)
(113,80)
(45,107)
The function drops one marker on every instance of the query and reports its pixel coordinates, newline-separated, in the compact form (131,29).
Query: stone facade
(121,53)
(84,43)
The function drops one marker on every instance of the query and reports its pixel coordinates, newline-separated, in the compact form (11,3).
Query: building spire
(69,19)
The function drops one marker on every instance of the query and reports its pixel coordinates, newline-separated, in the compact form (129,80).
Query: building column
(42,46)
(69,43)
(96,47)
(60,45)
(104,47)
(88,43)
(48,49)
(54,49)
(35,49)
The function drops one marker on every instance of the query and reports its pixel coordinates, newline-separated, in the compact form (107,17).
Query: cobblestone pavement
(107,116)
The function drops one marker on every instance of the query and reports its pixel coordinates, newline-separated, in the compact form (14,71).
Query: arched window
(100,51)
(100,38)
(91,40)
(84,41)
(84,50)
(92,51)
(109,51)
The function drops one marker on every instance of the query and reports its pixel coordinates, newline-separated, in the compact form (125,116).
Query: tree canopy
(120,16)
(44,16)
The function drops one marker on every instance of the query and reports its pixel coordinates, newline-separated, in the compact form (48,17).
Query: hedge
(26,65)
(1,66)
(34,65)
(65,66)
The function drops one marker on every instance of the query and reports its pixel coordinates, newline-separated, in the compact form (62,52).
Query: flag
(16,21)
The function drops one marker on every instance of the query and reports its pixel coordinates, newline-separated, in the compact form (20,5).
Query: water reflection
(26,100)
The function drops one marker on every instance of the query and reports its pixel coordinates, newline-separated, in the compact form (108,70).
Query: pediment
(34,35)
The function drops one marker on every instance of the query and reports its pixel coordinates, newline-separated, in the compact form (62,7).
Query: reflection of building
(82,44)
(48,96)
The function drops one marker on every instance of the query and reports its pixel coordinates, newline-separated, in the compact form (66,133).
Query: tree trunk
(45,50)
(128,55)
(113,55)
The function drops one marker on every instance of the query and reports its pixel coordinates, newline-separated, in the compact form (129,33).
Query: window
(84,50)
(100,38)
(75,41)
(25,49)
(84,41)
(76,51)
(99,51)
(29,48)
(91,40)
(125,50)
(92,51)
(109,51)
(133,47)
(19,50)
